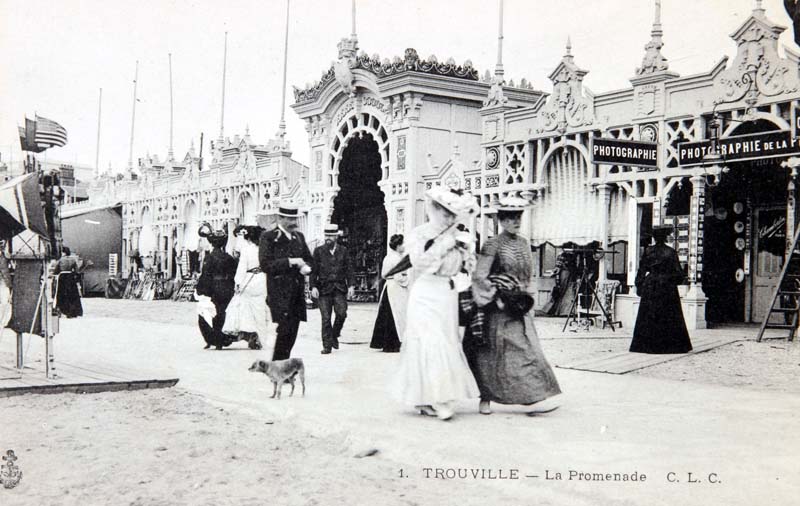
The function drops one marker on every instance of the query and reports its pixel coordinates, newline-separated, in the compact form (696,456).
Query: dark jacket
(285,284)
(332,272)
(216,280)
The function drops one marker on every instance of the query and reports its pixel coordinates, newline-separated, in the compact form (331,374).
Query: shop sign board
(740,148)
(619,152)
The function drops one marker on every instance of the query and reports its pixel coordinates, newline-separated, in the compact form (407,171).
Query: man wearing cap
(329,284)
(284,256)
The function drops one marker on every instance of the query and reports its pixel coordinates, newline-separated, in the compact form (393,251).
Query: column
(604,193)
(694,303)
(791,212)
(633,242)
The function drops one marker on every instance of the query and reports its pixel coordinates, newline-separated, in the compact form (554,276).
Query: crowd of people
(460,314)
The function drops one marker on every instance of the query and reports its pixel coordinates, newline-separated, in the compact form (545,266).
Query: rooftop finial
(569,46)
(653,60)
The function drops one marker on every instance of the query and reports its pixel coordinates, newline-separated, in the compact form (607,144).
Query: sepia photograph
(399,252)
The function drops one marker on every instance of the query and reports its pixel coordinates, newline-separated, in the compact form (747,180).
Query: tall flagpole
(97,150)
(170,154)
(282,124)
(133,115)
(353,34)
(498,69)
(222,113)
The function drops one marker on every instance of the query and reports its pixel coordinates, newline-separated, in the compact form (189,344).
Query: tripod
(585,285)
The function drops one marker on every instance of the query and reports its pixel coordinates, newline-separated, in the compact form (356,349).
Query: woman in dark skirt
(68,297)
(508,362)
(660,327)
(389,324)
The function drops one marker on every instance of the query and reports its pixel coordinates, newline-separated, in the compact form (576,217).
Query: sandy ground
(730,412)
(171,447)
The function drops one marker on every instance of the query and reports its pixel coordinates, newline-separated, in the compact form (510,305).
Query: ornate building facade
(733,207)
(381,132)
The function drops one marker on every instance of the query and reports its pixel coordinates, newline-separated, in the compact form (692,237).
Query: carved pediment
(567,106)
(757,71)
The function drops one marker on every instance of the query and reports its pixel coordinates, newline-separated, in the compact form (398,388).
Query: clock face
(648,133)
(492,158)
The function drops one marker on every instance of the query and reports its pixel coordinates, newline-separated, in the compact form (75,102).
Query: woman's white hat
(458,202)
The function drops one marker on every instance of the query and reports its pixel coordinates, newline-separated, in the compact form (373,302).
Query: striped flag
(49,133)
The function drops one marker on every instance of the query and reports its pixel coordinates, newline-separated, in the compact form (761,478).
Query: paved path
(744,439)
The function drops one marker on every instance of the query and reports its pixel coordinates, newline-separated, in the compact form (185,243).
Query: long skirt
(511,368)
(68,298)
(433,368)
(660,327)
(248,312)
(384,333)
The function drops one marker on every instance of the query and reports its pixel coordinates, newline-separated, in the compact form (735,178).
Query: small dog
(281,371)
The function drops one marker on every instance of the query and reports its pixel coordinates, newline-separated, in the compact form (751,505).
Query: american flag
(49,133)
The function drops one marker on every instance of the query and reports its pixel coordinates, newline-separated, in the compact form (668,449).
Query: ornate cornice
(411,62)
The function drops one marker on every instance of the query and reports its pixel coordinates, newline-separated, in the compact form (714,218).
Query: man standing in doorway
(329,284)
(284,256)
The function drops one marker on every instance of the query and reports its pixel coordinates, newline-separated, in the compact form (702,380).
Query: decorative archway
(148,241)
(246,208)
(357,200)
(359,124)
(190,225)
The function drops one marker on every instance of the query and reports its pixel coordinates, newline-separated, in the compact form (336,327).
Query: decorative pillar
(791,212)
(633,243)
(604,192)
(694,303)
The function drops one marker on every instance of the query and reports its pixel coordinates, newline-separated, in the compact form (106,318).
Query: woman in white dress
(433,371)
(247,314)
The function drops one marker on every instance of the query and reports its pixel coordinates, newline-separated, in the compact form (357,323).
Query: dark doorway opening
(739,266)
(359,211)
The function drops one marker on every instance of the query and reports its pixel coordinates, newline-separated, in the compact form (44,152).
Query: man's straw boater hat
(288,210)
(331,229)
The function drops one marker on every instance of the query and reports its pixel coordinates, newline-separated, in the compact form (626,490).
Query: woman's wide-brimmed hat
(458,202)
(513,203)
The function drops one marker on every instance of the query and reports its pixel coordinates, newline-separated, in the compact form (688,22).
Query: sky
(57,55)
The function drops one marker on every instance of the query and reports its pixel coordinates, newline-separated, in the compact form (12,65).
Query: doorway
(359,211)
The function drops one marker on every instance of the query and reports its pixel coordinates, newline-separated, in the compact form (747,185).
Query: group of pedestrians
(465,325)
(265,288)
(499,358)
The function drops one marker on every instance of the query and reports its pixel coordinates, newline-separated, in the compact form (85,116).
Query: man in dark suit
(284,256)
(329,284)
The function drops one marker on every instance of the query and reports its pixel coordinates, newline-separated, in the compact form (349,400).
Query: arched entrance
(744,235)
(247,209)
(148,242)
(358,209)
